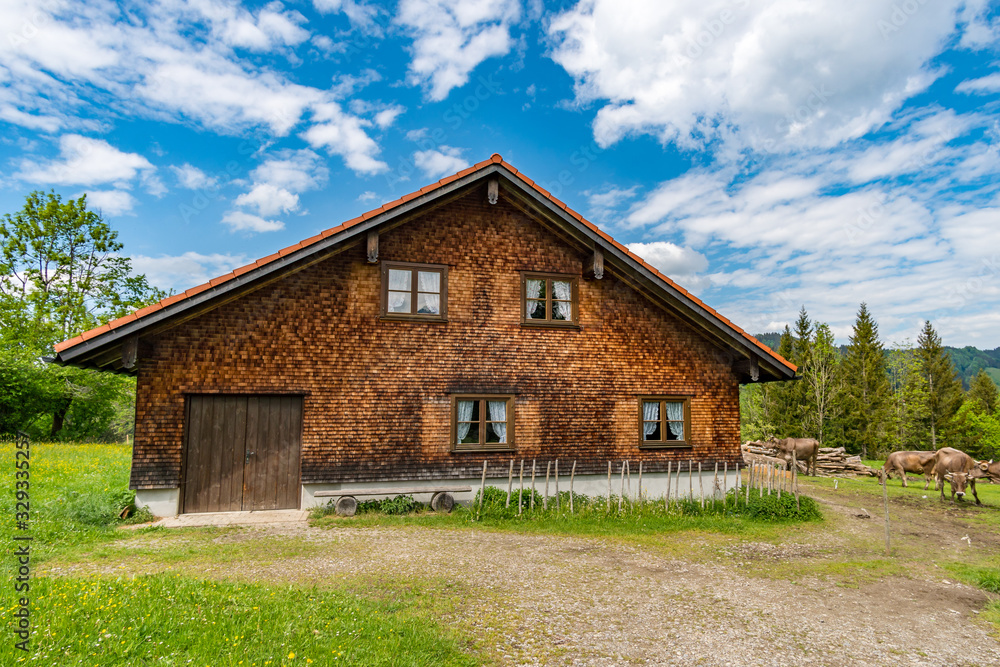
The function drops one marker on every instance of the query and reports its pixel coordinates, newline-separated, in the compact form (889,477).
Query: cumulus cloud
(671,259)
(85,161)
(175,61)
(240,221)
(278,182)
(981,86)
(440,162)
(774,75)
(193,178)
(180,272)
(110,202)
(452,37)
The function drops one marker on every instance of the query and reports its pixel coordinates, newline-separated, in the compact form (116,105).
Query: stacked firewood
(831,461)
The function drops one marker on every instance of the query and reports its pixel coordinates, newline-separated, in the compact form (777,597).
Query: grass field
(180,611)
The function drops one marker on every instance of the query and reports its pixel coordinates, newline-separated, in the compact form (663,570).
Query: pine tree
(782,397)
(820,381)
(909,399)
(801,396)
(944,389)
(983,393)
(864,396)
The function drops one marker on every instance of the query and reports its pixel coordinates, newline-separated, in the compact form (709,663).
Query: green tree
(864,396)
(61,272)
(821,381)
(944,389)
(909,400)
(983,393)
(783,397)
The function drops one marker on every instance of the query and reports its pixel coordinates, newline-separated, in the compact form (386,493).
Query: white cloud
(239,221)
(367,195)
(278,181)
(987,84)
(193,178)
(437,163)
(85,161)
(386,117)
(179,272)
(269,199)
(110,202)
(452,37)
(604,204)
(172,60)
(775,75)
(671,260)
(361,15)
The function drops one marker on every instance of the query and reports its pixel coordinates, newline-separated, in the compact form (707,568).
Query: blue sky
(766,155)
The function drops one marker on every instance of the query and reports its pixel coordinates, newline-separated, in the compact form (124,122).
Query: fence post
(666,496)
(520,490)
(572,473)
(609,486)
(701,485)
(558,502)
(545,498)
(510,481)
(531,503)
(482,492)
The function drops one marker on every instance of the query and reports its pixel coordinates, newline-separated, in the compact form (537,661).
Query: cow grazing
(917,463)
(806,449)
(987,470)
(956,467)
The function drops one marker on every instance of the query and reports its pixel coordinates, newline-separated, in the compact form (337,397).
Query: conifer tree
(864,396)
(944,389)
(820,381)
(782,396)
(801,396)
(909,399)
(983,393)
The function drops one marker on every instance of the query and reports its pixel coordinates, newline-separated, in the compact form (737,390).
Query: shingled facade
(477,319)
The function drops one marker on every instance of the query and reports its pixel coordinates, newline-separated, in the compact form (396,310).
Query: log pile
(831,462)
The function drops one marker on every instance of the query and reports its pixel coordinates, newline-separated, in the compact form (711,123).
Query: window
(664,421)
(482,422)
(414,291)
(549,299)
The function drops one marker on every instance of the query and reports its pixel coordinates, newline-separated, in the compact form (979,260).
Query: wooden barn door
(242,453)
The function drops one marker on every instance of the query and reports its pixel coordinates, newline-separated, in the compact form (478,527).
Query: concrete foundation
(161,502)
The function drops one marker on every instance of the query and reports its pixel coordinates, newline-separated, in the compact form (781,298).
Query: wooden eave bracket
(749,367)
(373,246)
(594,268)
(493,190)
(130,352)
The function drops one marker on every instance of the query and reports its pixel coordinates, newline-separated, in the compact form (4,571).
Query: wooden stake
(795,479)
(572,473)
(677,486)
(545,498)
(725,484)
(749,482)
(885,503)
(638,494)
(760,480)
(621,494)
(691,479)
(520,490)
(609,486)
(531,502)
(558,501)
(510,481)
(701,486)
(781,483)
(715,484)
(666,496)
(628,477)
(482,492)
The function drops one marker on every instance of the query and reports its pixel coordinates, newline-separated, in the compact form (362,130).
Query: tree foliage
(61,272)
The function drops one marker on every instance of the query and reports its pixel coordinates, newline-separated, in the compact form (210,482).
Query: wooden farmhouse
(477,319)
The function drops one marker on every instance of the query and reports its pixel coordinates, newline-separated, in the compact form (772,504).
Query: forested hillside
(968,361)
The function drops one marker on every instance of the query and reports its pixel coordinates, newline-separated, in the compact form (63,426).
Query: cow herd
(946,464)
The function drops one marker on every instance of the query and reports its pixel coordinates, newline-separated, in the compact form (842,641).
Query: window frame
(413,268)
(574,280)
(482,446)
(665,444)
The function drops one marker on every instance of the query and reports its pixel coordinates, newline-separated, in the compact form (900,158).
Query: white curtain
(464,415)
(562,292)
(675,417)
(534,289)
(498,415)
(650,417)
(399,280)
(428,281)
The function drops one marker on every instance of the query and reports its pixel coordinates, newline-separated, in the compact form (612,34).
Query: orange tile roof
(494,159)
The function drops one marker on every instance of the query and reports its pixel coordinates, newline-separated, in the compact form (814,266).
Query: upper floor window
(664,421)
(549,299)
(414,291)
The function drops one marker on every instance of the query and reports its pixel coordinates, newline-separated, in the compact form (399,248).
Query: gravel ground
(538,599)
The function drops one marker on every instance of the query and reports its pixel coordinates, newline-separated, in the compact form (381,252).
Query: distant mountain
(968,360)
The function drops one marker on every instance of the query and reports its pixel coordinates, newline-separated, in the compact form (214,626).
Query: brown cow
(915,462)
(989,471)
(956,467)
(806,449)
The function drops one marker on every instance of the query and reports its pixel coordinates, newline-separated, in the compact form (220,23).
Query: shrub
(772,508)
(390,506)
